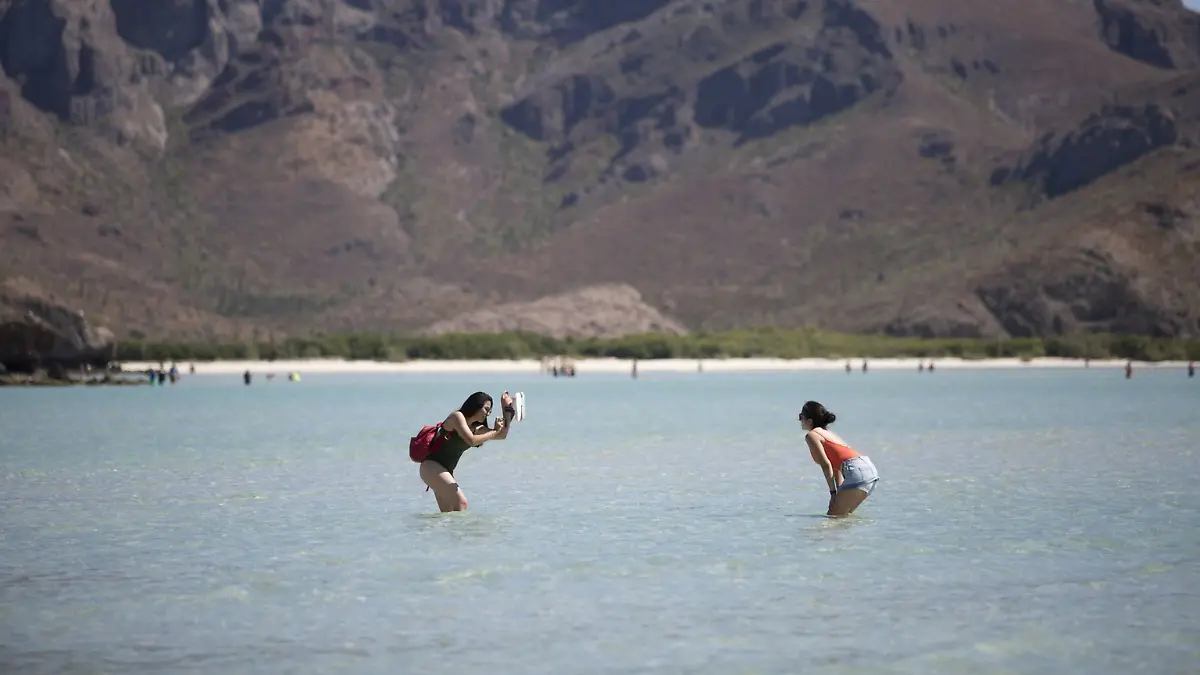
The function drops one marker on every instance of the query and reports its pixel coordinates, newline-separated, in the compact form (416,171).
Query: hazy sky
(1194,4)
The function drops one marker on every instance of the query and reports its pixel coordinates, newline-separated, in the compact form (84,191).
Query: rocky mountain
(219,168)
(604,311)
(36,332)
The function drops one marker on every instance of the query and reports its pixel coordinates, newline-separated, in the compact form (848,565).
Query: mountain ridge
(216,168)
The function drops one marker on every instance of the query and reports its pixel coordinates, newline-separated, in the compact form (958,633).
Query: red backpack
(427,441)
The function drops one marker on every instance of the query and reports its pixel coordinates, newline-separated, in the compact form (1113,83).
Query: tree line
(746,343)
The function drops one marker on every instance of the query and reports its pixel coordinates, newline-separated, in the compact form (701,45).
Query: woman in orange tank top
(850,475)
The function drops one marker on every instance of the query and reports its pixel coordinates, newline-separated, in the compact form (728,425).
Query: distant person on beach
(850,475)
(1191,368)
(463,429)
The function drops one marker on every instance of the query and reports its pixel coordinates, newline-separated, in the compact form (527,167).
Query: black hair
(821,418)
(474,403)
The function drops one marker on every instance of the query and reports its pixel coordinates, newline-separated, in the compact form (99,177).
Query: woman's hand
(458,424)
(508,407)
(501,429)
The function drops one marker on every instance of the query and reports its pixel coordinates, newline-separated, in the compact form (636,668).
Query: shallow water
(1025,522)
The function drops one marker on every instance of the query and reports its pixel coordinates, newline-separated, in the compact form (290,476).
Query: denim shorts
(859,473)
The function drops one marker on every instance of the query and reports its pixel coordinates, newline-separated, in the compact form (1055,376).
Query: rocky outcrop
(344,128)
(603,311)
(1081,298)
(1161,34)
(1095,286)
(36,332)
(113,66)
(654,106)
(781,86)
(1090,288)
(965,317)
(1103,143)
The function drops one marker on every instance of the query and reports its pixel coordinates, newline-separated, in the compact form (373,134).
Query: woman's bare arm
(457,423)
(816,448)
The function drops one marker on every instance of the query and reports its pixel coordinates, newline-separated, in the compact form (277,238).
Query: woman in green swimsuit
(463,429)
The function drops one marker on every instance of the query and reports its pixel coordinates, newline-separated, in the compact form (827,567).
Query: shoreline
(587,366)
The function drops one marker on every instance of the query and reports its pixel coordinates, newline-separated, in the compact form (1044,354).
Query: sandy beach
(624,366)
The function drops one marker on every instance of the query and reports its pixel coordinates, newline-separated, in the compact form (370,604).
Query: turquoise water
(1026,522)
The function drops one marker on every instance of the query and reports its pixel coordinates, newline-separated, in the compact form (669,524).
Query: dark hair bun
(818,414)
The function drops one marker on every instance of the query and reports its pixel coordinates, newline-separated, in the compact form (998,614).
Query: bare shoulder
(831,436)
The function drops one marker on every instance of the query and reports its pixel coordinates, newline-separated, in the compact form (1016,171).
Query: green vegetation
(236,302)
(173,190)
(763,342)
(522,167)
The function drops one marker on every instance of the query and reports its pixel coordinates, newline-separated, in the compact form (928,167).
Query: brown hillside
(200,168)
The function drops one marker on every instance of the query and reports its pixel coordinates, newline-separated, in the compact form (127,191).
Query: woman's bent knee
(445,489)
(846,501)
(451,502)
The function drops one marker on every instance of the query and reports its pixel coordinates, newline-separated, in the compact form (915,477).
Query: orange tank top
(838,453)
